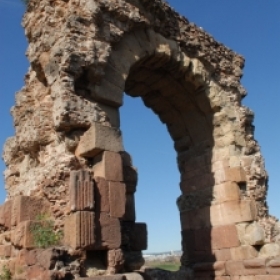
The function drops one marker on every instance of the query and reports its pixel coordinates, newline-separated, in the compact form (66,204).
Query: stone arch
(67,158)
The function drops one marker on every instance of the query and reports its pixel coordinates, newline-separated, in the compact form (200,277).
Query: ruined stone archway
(67,158)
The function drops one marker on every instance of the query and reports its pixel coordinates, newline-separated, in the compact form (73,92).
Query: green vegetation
(170,263)
(43,232)
(168,266)
(5,274)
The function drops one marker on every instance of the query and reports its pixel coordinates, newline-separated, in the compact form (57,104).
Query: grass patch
(43,232)
(5,274)
(168,266)
(169,263)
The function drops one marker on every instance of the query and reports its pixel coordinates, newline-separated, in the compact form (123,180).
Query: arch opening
(176,89)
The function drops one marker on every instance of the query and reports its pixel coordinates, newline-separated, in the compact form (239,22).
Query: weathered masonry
(67,168)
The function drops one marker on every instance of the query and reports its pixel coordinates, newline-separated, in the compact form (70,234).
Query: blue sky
(250,28)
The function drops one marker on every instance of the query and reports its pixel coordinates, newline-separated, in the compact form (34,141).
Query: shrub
(5,274)
(43,232)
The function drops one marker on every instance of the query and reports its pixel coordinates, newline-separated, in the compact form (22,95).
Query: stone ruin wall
(67,158)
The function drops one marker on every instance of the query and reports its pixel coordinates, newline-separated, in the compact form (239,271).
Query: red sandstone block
(107,232)
(109,166)
(188,242)
(117,199)
(101,195)
(79,230)
(254,263)
(264,277)
(220,237)
(81,190)
(22,235)
(99,138)
(115,260)
(235,268)
(211,255)
(5,251)
(273,267)
(235,174)
(231,212)
(202,239)
(243,253)
(195,219)
(138,238)
(222,255)
(130,177)
(36,272)
(5,214)
(209,268)
(227,191)
(273,270)
(26,208)
(247,277)
(198,182)
(129,215)
(224,237)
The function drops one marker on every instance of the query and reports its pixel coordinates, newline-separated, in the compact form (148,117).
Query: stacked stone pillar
(102,204)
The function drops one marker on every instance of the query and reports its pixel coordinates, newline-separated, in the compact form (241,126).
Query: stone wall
(67,150)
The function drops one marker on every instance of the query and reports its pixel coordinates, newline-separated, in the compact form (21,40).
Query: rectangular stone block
(235,174)
(203,239)
(129,214)
(139,237)
(26,208)
(234,268)
(198,182)
(273,267)
(227,191)
(79,230)
(229,212)
(209,269)
(5,251)
(239,211)
(134,236)
(117,199)
(210,255)
(233,212)
(101,195)
(111,114)
(188,241)
(216,238)
(22,235)
(195,219)
(81,191)
(243,253)
(99,138)
(107,93)
(108,165)
(224,237)
(107,232)
(5,214)
(222,254)
(130,177)
(264,277)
